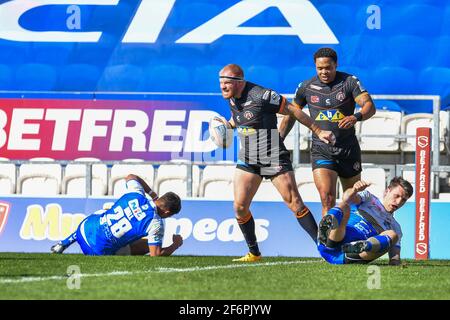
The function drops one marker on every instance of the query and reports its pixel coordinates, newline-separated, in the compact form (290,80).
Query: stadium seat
(6,76)
(267,192)
(305,183)
(393,80)
(410,175)
(78,77)
(444,196)
(14,53)
(37,179)
(435,80)
(110,17)
(117,185)
(191,14)
(377,178)
(166,78)
(52,53)
(7,177)
(74,181)
(441,48)
(173,177)
(97,53)
(430,17)
(338,17)
(390,121)
(217,182)
(206,79)
(412,121)
(358,51)
(404,46)
(134,53)
(265,76)
(122,78)
(292,77)
(35,77)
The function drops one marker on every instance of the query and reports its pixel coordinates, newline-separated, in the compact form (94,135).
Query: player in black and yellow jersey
(331,97)
(262,153)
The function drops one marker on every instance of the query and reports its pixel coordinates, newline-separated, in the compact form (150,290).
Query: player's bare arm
(156,251)
(394,256)
(351,194)
(286,126)
(364,100)
(298,114)
(144,184)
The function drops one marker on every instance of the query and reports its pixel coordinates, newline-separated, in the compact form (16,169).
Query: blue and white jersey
(130,218)
(373,211)
(156,231)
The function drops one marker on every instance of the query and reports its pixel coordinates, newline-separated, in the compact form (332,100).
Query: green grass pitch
(45,276)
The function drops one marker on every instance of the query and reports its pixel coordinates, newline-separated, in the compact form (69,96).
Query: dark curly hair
(325,53)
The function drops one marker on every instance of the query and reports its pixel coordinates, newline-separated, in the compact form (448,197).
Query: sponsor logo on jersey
(340,96)
(330,115)
(246,131)
(275,98)
(315,87)
(266,95)
(247,103)
(4,212)
(328,101)
(315,99)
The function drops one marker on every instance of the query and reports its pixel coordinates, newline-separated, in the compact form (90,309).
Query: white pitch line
(157,270)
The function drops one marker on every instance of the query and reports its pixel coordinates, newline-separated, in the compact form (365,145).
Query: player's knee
(240,209)
(393,235)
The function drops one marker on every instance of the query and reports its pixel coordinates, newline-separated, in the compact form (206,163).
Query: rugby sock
(378,243)
(307,222)
(247,226)
(69,240)
(337,213)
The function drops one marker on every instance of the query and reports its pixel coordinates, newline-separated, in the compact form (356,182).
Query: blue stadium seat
(435,80)
(338,17)
(97,53)
(111,18)
(78,77)
(14,53)
(35,77)
(5,77)
(189,15)
(441,52)
(392,80)
(167,78)
(293,76)
(135,53)
(409,51)
(57,53)
(420,20)
(387,105)
(265,76)
(206,79)
(359,51)
(121,78)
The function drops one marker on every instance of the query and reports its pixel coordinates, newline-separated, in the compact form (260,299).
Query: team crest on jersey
(356,166)
(4,212)
(248,115)
(330,115)
(315,99)
(340,96)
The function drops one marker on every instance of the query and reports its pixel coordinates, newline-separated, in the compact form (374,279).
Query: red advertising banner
(423,153)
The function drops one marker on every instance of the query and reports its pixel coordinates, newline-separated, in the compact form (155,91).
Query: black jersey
(331,102)
(254,114)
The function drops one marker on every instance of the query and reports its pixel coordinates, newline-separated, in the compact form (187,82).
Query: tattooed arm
(367,111)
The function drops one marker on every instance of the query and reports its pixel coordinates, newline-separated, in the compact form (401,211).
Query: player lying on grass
(129,219)
(362,228)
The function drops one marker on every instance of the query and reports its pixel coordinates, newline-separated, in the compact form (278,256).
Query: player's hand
(177,240)
(327,136)
(361,185)
(348,122)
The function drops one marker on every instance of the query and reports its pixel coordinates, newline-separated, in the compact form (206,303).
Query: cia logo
(356,166)
(248,115)
(340,96)
(422,141)
(421,248)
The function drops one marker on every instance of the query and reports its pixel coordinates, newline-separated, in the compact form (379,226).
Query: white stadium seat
(377,178)
(173,177)
(217,182)
(38,179)
(7,177)
(74,182)
(382,123)
(305,135)
(120,171)
(412,121)
(267,192)
(305,183)
(410,175)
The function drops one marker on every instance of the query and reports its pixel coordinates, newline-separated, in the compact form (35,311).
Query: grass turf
(44,276)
